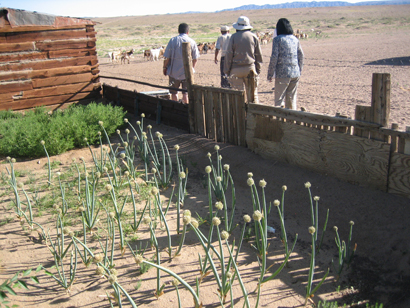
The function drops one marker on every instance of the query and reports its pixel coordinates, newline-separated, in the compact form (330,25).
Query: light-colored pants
(239,80)
(286,92)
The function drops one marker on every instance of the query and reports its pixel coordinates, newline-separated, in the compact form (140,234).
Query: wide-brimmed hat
(242,23)
(224,28)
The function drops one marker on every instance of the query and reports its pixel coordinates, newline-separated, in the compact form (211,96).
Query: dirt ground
(336,77)
(337,73)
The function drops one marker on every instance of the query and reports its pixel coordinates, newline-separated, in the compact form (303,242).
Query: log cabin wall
(46,60)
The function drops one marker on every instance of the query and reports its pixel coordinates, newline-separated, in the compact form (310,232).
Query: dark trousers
(224,78)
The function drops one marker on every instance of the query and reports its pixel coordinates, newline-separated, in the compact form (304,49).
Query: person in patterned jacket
(286,63)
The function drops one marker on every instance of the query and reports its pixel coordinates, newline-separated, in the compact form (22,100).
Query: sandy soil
(380,270)
(337,76)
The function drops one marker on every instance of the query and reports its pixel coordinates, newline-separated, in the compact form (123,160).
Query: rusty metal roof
(22,18)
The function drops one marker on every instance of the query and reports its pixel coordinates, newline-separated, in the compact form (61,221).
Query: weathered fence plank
(309,118)
(399,177)
(380,110)
(350,158)
(49,64)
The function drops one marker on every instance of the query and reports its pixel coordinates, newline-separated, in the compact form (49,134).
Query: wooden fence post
(380,111)
(189,76)
(250,87)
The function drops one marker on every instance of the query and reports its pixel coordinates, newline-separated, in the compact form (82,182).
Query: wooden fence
(161,110)
(360,152)
(220,114)
(363,151)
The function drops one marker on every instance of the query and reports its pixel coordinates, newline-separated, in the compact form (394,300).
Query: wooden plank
(48,64)
(61,80)
(218,117)
(35,36)
(23,56)
(309,118)
(229,137)
(399,175)
(209,115)
(45,101)
(15,47)
(216,90)
(225,114)
(190,80)
(15,86)
(26,74)
(341,129)
(199,113)
(233,126)
(72,53)
(251,122)
(60,90)
(350,158)
(362,113)
(241,119)
(267,128)
(65,44)
(380,111)
(393,139)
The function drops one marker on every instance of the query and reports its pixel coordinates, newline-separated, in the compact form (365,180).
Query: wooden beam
(15,86)
(49,64)
(189,76)
(62,80)
(362,113)
(216,90)
(14,47)
(60,90)
(65,44)
(72,53)
(44,73)
(380,111)
(23,56)
(305,117)
(44,101)
(20,37)
(8,28)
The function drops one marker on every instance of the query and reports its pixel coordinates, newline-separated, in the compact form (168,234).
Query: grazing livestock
(110,56)
(205,49)
(156,53)
(212,46)
(125,56)
(147,54)
(116,56)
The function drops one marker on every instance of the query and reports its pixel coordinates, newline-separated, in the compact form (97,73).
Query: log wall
(46,65)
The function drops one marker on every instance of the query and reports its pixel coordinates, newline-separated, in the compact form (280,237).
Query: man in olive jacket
(243,57)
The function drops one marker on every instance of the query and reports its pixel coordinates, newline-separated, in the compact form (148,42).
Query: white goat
(156,53)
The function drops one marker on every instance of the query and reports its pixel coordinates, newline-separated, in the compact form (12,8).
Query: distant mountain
(292,5)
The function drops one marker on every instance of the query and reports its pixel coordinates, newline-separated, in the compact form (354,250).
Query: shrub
(62,131)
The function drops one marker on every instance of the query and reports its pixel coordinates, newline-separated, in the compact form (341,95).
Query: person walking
(243,58)
(173,61)
(221,45)
(286,63)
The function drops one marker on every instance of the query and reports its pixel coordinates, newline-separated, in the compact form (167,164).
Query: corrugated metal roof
(20,18)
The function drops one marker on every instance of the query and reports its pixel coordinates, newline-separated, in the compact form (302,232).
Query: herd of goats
(155,54)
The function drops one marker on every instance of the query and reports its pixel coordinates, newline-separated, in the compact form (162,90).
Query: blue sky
(112,8)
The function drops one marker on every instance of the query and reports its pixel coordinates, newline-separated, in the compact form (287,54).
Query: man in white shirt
(174,64)
(222,44)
